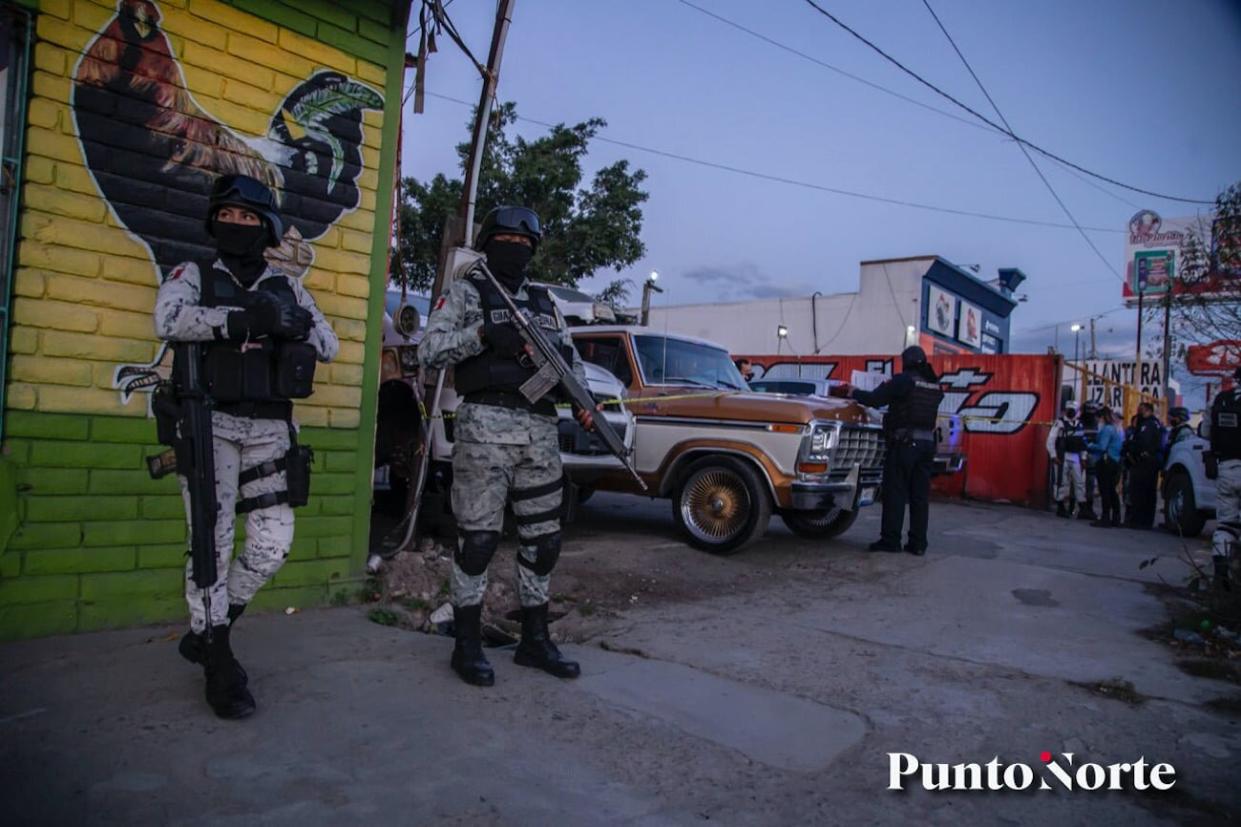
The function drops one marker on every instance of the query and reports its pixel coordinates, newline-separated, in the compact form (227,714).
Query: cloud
(738,274)
(743,280)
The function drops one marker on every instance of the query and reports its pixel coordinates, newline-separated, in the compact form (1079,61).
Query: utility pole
(1167,346)
(449,262)
(649,287)
(1094,354)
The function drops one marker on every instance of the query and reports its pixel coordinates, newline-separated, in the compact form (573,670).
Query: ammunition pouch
(265,371)
(1210,461)
(167,412)
(295,370)
(296,467)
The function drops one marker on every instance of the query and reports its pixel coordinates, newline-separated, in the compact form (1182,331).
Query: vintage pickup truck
(728,458)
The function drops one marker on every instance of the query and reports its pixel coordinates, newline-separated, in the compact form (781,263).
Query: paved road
(765,688)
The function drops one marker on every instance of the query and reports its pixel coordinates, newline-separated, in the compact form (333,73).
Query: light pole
(1077,331)
(649,286)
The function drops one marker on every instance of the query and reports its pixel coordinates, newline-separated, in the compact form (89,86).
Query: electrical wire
(803,184)
(990,122)
(1021,146)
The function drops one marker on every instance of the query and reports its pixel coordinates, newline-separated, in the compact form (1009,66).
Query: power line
(1021,146)
(804,184)
(812,59)
(990,122)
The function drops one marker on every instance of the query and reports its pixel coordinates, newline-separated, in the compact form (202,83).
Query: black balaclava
(240,247)
(508,260)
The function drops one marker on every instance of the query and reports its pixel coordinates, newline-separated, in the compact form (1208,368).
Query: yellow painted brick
(262,53)
(206,85)
(55,86)
(350,329)
(131,270)
(102,293)
(24,340)
(41,370)
(345,417)
(369,178)
(366,199)
(337,396)
(331,238)
(79,346)
(88,401)
(55,231)
(341,261)
(241,118)
(62,33)
(196,54)
(40,170)
(233,19)
(93,17)
(29,283)
(126,324)
(180,24)
(351,353)
(75,178)
(68,204)
(353,285)
(363,220)
(249,96)
(32,253)
(321,53)
(53,145)
(43,112)
(342,306)
(56,316)
(21,397)
(356,242)
(347,375)
(311,416)
(371,73)
(49,58)
(60,8)
(318,279)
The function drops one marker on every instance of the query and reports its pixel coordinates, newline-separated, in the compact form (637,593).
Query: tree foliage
(585,228)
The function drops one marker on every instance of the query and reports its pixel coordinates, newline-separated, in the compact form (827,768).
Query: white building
(921,300)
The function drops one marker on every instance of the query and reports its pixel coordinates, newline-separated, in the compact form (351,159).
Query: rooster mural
(154,152)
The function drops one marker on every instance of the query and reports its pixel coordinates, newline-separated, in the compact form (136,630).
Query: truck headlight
(822,441)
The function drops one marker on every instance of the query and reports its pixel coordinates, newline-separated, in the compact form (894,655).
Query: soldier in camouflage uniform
(242,310)
(505,449)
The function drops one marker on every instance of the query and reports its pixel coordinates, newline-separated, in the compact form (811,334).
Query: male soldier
(1226,446)
(1090,430)
(913,398)
(253,322)
(505,448)
(1178,420)
(1066,446)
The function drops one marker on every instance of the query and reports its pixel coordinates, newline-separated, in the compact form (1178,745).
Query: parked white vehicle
(1188,496)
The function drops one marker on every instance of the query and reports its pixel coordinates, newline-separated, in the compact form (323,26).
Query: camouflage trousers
(1227,509)
(240,444)
(1072,483)
(499,456)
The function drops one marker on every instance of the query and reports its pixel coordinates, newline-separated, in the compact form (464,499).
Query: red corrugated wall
(1006,404)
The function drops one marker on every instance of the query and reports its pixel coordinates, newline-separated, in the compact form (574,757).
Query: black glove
(504,340)
(270,315)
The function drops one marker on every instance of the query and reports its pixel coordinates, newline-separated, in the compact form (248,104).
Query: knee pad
(546,552)
(475,550)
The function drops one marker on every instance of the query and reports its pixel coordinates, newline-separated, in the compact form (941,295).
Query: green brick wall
(101,544)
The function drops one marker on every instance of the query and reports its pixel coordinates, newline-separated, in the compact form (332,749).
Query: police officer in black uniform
(1226,447)
(1145,462)
(912,398)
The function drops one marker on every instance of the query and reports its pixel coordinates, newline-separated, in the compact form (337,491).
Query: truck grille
(857,445)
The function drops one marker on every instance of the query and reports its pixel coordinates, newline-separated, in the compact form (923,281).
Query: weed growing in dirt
(384,617)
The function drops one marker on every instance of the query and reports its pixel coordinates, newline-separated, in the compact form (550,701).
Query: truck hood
(751,407)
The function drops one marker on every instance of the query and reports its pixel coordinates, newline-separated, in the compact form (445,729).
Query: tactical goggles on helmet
(518,220)
(251,194)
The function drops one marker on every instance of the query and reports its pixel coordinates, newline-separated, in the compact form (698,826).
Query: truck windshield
(666,360)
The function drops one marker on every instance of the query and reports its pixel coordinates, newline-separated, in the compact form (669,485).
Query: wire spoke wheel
(715,505)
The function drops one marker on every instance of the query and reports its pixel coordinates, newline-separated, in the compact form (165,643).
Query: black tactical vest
(1226,426)
(1072,437)
(489,370)
(258,378)
(916,410)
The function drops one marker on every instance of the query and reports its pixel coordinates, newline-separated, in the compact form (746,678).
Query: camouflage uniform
(240,443)
(499,455)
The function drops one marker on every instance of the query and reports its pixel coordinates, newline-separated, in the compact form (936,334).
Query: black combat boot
(468,659)
(226,680)
(193,646)
(884,545)
(1086,513)
(1062,510)
(1223,580)
(536,648)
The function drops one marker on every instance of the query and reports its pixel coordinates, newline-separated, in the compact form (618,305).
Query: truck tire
(819,525)
(1180,508)
(721,504)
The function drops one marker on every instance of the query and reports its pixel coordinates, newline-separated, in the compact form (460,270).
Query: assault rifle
(553,370)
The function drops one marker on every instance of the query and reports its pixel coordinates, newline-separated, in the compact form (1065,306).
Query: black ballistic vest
(916,410)
(258,378)
(1072,437)
(1226,426)
(489,370)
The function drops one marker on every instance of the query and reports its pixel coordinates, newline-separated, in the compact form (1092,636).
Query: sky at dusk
(1142,92)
